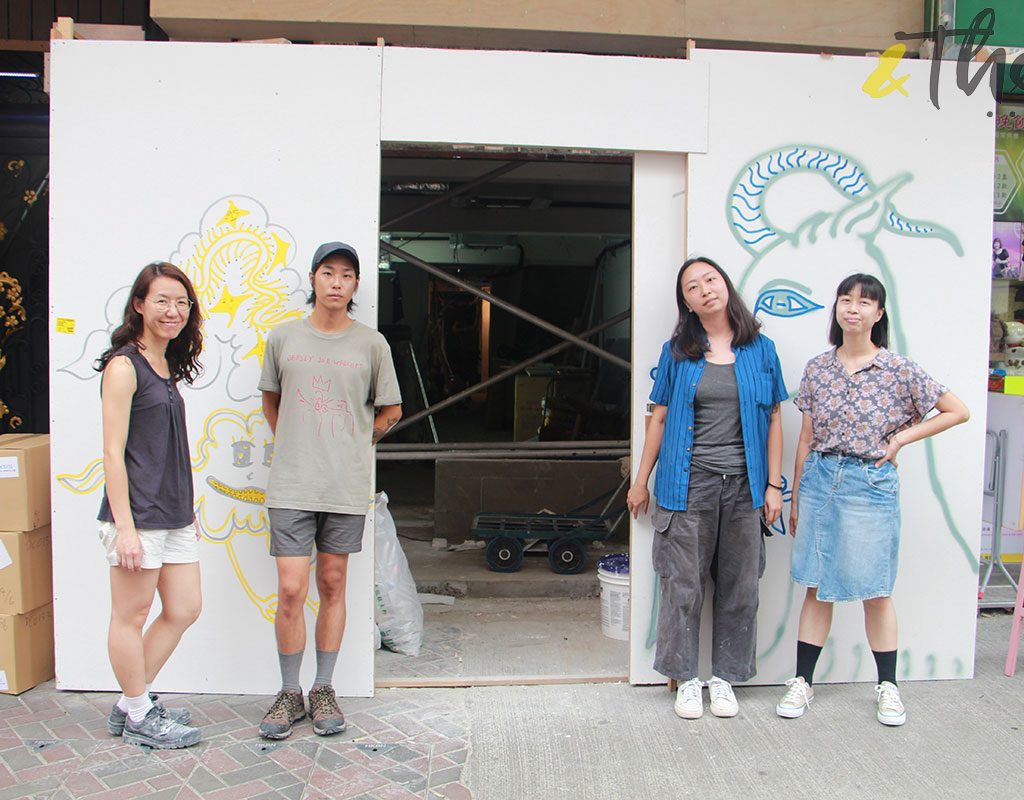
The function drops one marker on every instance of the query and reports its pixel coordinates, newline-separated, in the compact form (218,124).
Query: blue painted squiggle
(752,227)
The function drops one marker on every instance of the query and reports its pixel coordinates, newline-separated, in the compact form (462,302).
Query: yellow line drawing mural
(239,263)
(88,480)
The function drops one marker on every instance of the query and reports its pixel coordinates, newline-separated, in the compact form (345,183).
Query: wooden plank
(42,18)
(132,33)
(25,45)
(19,21)
(866,25)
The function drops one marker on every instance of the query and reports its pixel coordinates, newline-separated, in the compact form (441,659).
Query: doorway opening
(504,291)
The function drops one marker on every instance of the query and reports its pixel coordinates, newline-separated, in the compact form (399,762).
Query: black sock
(806,659)
(886,662)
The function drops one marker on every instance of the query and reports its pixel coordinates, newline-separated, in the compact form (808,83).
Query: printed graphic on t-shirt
(319,406)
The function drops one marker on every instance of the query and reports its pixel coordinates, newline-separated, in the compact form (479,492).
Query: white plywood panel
(234,161)
(916,185)
(544,100)
(659,248)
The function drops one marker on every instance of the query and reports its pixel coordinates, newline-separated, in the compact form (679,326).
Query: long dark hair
(184,349)
(689,339)
(872,289)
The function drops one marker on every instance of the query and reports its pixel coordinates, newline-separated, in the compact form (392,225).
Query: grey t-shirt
(329,385)
(717,430)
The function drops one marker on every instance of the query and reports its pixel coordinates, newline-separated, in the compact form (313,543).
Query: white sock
(138,707)
(122,701)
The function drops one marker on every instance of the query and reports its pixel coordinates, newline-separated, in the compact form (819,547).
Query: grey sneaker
(323,708)
(160,732)
(286,710)
(115,722)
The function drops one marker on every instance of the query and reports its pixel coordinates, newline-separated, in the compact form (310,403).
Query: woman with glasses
(861,405)
(716,435)
(147,522)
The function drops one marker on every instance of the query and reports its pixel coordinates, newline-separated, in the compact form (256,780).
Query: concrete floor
(613,741)
(514,639)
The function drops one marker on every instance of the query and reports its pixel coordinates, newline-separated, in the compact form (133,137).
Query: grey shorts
(292,533)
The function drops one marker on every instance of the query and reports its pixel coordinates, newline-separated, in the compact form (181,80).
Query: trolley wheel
(567,556)
(505,554)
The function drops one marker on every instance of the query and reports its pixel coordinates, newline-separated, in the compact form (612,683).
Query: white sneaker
(796,700)
(890,706)
(723,700)
(690,699)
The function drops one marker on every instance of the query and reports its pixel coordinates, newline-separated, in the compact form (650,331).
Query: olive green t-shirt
(329,385)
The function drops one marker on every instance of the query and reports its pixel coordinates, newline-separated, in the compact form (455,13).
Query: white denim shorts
(159,547)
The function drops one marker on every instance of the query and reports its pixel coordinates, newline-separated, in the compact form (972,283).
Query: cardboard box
(25,482)
(26,570)
(26,649)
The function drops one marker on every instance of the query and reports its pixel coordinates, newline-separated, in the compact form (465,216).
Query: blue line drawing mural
(780,301)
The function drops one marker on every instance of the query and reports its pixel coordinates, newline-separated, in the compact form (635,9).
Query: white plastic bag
(399,614)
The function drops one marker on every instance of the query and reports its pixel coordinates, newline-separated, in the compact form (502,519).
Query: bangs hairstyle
(311,300)
(184,349)
(689,339)
(872,289)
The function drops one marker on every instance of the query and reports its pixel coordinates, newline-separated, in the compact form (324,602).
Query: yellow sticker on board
(65,325)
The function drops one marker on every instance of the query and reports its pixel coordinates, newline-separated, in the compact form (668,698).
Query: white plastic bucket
(613,573)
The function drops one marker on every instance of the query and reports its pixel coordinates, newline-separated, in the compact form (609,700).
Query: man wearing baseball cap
(329,393)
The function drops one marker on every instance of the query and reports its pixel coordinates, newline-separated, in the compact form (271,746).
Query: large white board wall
(235,161)
(916,183)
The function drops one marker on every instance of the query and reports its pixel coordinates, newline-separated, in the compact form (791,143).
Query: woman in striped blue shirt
(716,432)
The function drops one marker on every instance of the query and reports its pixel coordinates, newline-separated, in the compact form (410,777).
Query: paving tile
(346,783)
(203,781)
(294,792)
(28,788)
(452,791)
(283,780)
(401,775)
(255,772)
(449,775)
(241,792)
(394,793)
(331,760)
(218,761)
(82,783)
(164,782)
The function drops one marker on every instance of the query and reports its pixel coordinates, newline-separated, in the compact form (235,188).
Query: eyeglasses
(161,304)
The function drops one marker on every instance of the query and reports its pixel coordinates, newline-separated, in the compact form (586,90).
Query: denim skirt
(848,527)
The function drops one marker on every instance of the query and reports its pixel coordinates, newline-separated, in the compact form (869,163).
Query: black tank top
(156,453)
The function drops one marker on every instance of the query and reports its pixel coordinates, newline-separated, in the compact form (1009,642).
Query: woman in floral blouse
(861,404)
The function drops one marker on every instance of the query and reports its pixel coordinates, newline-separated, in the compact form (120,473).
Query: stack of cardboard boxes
(26,574)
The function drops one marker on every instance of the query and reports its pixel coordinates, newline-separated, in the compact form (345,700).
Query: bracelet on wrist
(773,486)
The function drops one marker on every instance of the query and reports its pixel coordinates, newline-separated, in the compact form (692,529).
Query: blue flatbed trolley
(510,534)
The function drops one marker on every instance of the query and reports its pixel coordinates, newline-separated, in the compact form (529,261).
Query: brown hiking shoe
(323,708)
(287,709)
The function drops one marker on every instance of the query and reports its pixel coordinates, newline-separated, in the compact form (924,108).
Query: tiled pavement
(399,745)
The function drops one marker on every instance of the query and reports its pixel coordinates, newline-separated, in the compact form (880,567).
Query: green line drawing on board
(850,231)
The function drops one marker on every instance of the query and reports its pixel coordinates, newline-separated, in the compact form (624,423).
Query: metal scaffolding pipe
(487,177)
(505,373)
(505,305)
(434,455)
(399,447)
